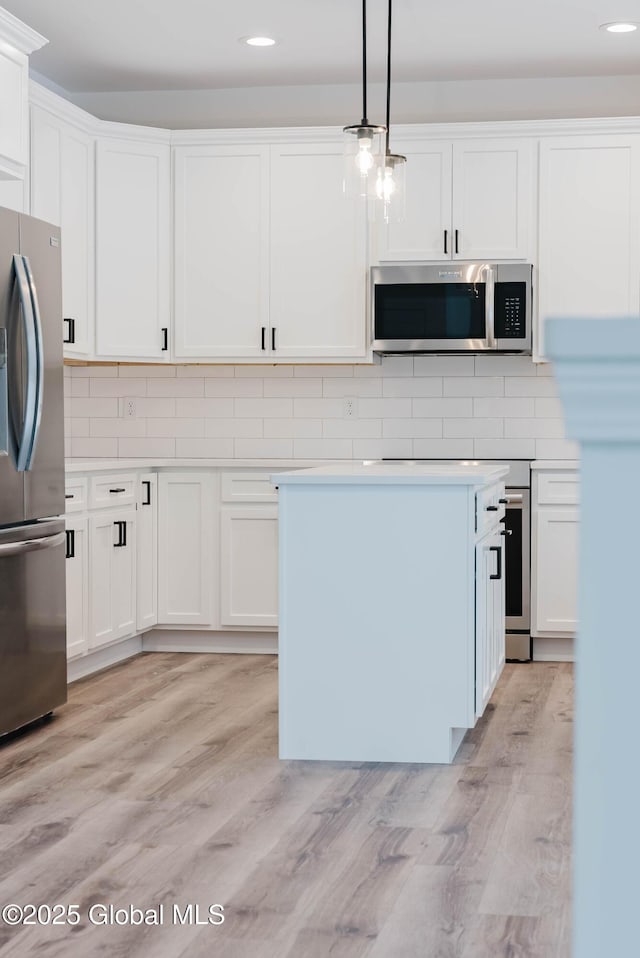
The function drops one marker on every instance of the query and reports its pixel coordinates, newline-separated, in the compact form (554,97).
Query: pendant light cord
(365,121)
(388,80)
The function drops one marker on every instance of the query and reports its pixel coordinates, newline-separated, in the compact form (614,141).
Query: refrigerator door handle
(24,442)
(31,545)
(39,353)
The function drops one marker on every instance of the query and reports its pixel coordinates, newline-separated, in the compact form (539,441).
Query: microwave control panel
(510,310)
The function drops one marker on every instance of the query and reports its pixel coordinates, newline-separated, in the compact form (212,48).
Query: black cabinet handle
(492,508)
(456,240)
(498,551)
(71,544)
(273,338)
(122,535)
(71,337)
(165,339)
(504,502)
(117,490)
(68,495)
(263,344)
(506,532)
(147,501)
(446,233)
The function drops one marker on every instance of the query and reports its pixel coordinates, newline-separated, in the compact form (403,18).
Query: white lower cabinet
(249,565)
(112,576)
(77,569)
(186,559)
(147,552)
(490,612)
(555,527)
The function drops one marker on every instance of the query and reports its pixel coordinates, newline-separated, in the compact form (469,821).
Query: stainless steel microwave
(452,308)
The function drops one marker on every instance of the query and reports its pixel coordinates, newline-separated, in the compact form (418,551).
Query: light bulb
(385,184)
(364,157)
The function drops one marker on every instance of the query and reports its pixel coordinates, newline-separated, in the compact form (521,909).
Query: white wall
(425,406)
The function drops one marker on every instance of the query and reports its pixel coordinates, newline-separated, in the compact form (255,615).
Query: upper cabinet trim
(18,34)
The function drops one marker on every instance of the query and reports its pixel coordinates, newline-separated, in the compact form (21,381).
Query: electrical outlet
(129,409)
(350,408)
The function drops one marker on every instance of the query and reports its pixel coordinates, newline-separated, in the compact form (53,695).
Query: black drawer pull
(492,508)
(117,490)
(71,338)
(71,544)
(506,532)
(147,500)
(68,495)
(498,572)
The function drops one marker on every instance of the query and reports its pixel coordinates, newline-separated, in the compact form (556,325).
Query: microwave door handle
(38,372)
(24,441)
(488,306)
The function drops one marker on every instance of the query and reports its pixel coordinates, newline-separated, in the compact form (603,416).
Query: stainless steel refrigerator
(33,670)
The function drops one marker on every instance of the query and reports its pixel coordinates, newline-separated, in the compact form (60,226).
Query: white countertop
(555,464)
(107,465)
(394,473)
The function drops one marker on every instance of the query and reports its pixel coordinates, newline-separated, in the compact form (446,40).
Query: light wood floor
(159,783)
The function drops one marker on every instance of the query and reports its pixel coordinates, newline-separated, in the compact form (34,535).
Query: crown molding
(45,99)
(18,34)
(264,135)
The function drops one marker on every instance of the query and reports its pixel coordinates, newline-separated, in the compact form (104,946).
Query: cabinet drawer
(558,488)
(75,494)
(113,490)
(247,487)
(489,509)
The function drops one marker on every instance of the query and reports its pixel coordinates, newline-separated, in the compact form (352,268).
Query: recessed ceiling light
(619,27)
(258,41)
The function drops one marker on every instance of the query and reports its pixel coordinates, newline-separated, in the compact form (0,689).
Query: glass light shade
(363,151)
(390,186)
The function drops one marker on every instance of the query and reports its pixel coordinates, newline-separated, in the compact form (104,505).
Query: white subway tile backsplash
(434,407)
(263,408)
(175,387)
(442,408)
(220,448)
(322,449)
(414,386)
(534,428)
(263,448)
(443,365)
(234,387)
(443,448)
(146,448)
(473,428)
(352,428)
(506,408)
(176,428)
(504,448)
(293,387)
(235,428)
(207,408)
(352,387)
(291,428)
(472,386)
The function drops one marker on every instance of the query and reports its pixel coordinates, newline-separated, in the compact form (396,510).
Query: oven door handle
(488,306)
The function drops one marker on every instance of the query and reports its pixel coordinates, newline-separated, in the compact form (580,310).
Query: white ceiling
(119,46)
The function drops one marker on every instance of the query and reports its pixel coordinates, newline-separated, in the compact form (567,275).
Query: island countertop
(395,473)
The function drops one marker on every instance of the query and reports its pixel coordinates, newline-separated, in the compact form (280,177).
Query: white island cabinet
(391,608)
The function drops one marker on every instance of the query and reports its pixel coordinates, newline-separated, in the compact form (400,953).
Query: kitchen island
(391,600)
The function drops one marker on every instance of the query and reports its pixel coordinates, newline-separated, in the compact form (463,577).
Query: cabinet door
(425,231)
(555,570)
(186,582)
(147,552)
(249,565)
(132,249)
(77,567)
(490,608)
(492,199)
(221,219)
(589,228)
(318,256)
(14,106)
(62,192)
(112,576)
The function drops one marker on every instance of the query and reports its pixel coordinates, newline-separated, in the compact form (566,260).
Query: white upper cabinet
(133,249)
(470,199)
(589,231)
(221,225)
(62,192)
(17,41)
(318,256)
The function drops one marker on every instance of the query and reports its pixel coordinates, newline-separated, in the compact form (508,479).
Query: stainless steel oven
(517,556)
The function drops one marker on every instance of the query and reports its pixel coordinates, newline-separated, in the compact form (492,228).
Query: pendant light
(390,186)
(363,140)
